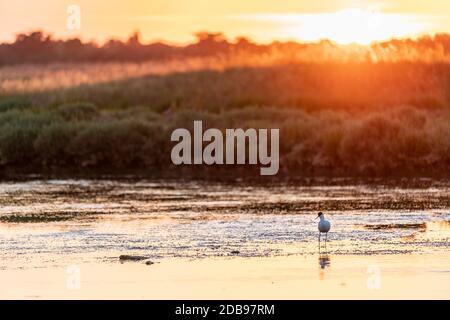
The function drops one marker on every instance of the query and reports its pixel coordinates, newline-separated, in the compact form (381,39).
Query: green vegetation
(366,118)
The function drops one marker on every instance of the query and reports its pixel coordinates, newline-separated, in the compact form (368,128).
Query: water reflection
(443,226)
(93,219)
(324,261)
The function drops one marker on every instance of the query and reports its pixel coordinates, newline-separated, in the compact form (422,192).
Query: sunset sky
(343,21)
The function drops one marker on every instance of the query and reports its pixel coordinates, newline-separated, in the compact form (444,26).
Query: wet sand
(425,276)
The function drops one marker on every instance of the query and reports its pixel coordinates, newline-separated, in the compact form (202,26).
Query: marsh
(48,225)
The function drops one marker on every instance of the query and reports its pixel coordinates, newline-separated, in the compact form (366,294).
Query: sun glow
(353,25)
(348,25)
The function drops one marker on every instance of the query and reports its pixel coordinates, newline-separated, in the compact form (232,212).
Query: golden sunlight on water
(438,226)
(146,239)
(293,277)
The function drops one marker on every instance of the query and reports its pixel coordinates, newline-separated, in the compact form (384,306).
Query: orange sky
(343,21)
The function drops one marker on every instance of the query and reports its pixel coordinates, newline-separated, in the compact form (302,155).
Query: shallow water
(58,222)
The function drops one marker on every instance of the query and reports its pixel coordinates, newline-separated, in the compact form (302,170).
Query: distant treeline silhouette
(40,47)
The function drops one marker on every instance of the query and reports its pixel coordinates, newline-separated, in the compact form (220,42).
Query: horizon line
(227,38)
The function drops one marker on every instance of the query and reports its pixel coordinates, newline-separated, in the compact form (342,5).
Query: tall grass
(363,117)
(393,142)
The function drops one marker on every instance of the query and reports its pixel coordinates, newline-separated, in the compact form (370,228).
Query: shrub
(14,103)
(18,132)
(51,143)
(78,111)
(116,143)
(138,112)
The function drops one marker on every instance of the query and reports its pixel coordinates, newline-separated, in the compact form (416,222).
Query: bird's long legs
(319,243)
(326,239)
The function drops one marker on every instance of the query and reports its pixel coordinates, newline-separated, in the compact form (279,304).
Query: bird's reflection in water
(324,263)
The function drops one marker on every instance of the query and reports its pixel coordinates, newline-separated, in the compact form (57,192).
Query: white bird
(324,226)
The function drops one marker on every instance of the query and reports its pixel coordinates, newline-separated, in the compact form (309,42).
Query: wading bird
(324,226)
